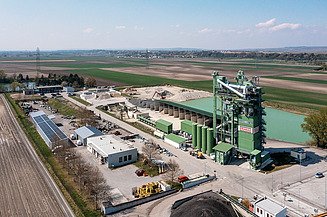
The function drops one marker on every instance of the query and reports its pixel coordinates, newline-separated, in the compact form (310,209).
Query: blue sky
(123,24)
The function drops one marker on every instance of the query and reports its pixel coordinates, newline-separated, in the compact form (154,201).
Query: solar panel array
(50,129)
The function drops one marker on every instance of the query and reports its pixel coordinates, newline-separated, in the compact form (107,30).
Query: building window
(260,211)
(120,159)
(267,214)
(125,158)
(130,157)
(257,210)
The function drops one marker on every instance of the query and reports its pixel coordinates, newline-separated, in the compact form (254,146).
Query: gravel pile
(204,205)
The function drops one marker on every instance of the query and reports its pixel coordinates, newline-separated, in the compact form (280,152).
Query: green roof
(188,122)
(202,106)
(163,122)
(176,138)
(223,147)
(255,152)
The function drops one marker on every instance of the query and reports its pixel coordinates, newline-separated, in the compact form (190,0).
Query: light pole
(300,169)
(242,179)
(272,183)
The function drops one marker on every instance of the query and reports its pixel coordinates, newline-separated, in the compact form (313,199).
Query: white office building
(111,150)
(267,208)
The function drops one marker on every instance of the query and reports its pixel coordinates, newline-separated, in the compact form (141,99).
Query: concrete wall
(107,208)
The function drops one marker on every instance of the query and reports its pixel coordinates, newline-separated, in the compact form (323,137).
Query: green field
(279,70)
(297,98)
(298,79)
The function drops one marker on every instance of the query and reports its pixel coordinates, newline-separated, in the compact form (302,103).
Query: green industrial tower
(237,113)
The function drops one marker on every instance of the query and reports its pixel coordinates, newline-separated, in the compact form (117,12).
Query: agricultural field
(299,86)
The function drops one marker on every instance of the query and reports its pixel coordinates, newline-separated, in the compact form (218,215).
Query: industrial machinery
(147,190)
(237,114)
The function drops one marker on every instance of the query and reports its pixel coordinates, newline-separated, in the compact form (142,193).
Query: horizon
(132,25)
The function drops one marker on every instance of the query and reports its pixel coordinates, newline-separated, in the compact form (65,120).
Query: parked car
(139,172)
(182,179)
(319,175)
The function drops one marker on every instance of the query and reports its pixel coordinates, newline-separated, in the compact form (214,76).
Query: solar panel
(56,129)
(48,131)
(38,119)
(49,128)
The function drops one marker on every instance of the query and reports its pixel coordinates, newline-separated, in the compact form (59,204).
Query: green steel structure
(240,122)
(164,126)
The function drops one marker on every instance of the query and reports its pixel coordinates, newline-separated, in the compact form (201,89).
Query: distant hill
(299,49)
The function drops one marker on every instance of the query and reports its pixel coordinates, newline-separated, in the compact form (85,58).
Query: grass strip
(78,99)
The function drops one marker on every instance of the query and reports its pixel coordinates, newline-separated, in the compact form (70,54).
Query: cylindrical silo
(194,137)
(210,140)
(199,136)
(204,139)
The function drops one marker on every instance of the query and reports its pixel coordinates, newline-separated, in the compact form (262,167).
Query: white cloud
(176,26)
(120,27)
(88,30)
(205,30)
(285,26)
(268,23)
(272,26)
(138,28)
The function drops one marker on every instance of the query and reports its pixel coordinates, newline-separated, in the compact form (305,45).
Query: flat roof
(51,86)
(270,206)
(108,144)
(164,122)
(223,147)
(176,138)
(255,152)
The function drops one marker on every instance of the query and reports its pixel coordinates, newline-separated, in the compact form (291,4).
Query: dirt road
(26,187)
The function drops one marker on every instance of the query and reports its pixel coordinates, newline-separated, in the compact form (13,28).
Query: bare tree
(173,171)
(150,151)
(98,187)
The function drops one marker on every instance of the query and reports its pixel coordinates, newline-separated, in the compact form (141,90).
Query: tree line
(88,178)
(72,80)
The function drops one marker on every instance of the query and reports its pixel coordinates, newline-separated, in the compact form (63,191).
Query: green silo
(194,137)
(210,140)
(204,139)
(199,136)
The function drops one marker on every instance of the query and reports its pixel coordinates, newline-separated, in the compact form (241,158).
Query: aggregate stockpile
(205,204)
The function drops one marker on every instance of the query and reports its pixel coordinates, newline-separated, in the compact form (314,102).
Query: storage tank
(199,136)
(204,139)
(210,140)
(194,137)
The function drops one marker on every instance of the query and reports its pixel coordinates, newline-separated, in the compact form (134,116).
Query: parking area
(123,178)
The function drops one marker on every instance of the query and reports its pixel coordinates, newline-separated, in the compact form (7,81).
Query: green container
(186,126)
(164,126)
(204,139)
(194,137)
(199,136)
